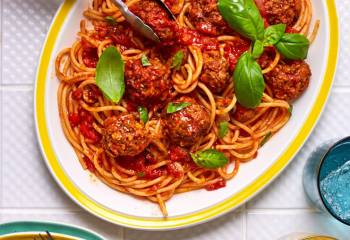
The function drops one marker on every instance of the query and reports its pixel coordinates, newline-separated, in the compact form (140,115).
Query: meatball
(215,72)
(147,85)
(155,17)
(288,80)
(189,125)
(242,114)
(282,11)
(205,16)
(123,135)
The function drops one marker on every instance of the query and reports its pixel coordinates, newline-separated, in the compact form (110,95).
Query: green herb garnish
(293,46)
(244,17)
(144,61)
(223,129)
(175,107)
(210,158)
(143,114)
(249,81)
(110,74)
(258,49)
(177,60)
(273,34)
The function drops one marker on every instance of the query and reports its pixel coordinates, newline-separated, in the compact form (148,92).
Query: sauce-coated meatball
(282,11)
(123,135)
(155,17)
(288,80)
(215,72)
(189,125)
(147,85)
(242,114)
(205,16)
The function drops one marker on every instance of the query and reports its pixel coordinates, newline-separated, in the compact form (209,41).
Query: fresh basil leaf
(177,60)
(223,129)
(249,81)
(293,46)
(244,17)
(175,107)
(210,159)
(111,20)
(273,34)
(144,61)
(266,139)
(143,114)
(141,174)
(290,109)
(258,49)
(110,74)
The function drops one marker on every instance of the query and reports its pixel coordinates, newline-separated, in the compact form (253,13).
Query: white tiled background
(30,192)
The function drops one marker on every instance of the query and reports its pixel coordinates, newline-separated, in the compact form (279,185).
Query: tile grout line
(122,233)
(245,222)
(1,101)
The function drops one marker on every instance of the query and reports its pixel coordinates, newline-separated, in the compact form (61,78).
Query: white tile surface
(30,193)
(107,230)
(25,23)
(343,73)
(26,180)
(228,227)
(272,225)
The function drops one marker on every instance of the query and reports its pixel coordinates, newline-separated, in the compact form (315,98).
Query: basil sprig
(110,74)
(210,159)
(175,107)
(143,114)
(244,17)
(177,60)
(144,61)
(273,34)
(258,49)
(249,81)
(293,46)
(223,129)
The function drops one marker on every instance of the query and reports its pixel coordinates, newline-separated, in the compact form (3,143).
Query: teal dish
(9,230)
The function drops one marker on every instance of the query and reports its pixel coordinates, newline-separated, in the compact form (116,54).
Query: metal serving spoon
(136,22)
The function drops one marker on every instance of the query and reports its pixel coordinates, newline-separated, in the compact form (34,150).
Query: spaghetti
(162,168)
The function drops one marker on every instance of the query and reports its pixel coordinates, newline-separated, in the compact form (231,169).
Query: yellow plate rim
(194,218)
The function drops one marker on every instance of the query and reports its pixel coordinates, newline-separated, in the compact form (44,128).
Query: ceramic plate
(33,230)
(196,206)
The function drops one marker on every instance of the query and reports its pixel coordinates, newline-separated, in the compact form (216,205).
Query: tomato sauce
(141,164)
(187,37)
(178,154)
(90,166)
(90,57)
(214,186)
(84,120)
(234,49)
(77,94)
(174,170)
